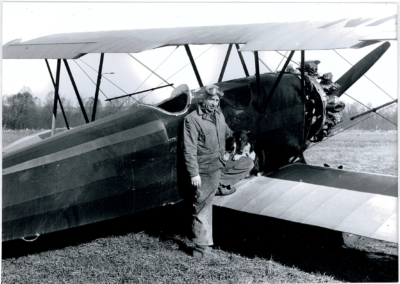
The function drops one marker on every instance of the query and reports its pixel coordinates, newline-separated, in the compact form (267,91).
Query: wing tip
(14,41)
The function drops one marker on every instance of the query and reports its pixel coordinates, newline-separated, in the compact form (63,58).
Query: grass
(152,247)
(139,258)
(367,151)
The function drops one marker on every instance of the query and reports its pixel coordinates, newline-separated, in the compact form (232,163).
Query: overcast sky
(31,20)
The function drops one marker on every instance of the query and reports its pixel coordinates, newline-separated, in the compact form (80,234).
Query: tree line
(22,111)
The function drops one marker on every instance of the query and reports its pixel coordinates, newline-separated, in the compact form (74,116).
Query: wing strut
(53,123)
(96,96)
(271,93)
(76,91)
(257,66)
(196,72)
(56,97)
(307,119)
(242,60)
(374,110)
(302,74)
(221,75)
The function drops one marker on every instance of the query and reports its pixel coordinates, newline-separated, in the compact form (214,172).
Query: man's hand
(196,181)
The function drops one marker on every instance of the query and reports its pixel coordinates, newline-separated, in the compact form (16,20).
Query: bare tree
(20,111)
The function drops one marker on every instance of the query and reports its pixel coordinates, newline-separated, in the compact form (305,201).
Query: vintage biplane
(131,161)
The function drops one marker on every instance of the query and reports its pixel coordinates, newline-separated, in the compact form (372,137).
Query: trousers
(234,171)
(202,208)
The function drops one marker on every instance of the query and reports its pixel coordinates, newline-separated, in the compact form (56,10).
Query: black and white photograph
(199,142)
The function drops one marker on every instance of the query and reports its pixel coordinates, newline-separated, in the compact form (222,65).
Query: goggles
(212,90)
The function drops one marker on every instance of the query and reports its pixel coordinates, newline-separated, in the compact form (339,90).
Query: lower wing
(359,203)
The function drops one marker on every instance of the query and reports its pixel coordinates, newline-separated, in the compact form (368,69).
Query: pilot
(204,137)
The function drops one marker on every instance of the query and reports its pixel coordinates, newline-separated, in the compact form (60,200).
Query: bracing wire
(189,63)
(144,65)
(339,132)
(349,95)
(157,68)
(355,123)
(266,66)
(89,78)
(370,109)
(287,57)
(181,69)
(350,122)
(138,101)
(276,69)
(346,126)
(104,77)
(364,75)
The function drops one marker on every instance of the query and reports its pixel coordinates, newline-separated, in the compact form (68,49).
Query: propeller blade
(359,69)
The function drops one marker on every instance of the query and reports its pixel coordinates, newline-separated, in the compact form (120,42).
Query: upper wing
(358,203)
(344,33)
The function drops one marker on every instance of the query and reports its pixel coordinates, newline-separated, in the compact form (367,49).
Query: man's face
(211,103)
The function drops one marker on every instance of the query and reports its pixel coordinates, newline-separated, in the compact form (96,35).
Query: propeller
(359,69)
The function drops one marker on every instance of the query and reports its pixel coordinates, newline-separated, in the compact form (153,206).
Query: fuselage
(131,161)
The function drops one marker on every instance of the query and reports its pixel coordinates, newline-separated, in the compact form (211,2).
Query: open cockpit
(178,103)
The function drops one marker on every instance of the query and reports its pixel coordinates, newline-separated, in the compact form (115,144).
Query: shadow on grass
(164,222)
(308,248)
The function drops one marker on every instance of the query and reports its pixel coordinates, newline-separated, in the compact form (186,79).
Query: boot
(222,190)
(203,252)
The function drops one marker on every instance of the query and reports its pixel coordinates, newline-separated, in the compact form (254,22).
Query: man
(204,137)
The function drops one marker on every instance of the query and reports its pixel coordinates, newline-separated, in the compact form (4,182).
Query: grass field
(367,151)
(152,247)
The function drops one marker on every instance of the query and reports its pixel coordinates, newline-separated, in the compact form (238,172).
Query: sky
(28,20)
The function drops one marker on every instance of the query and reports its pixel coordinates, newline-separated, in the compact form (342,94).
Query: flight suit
(203,148)
(234,171)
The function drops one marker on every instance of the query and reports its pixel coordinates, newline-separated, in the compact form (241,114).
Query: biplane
(131,161)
